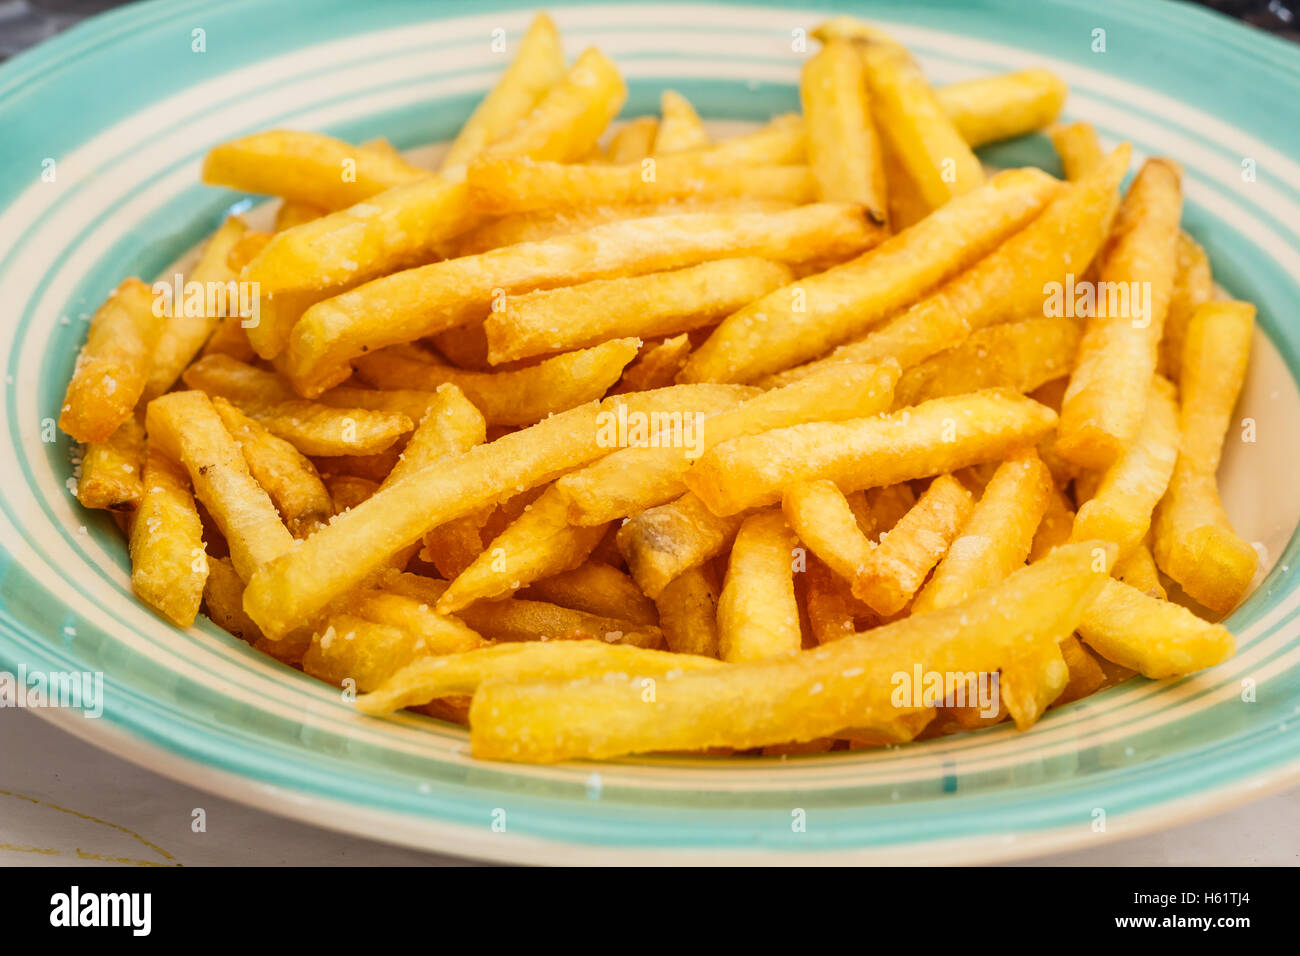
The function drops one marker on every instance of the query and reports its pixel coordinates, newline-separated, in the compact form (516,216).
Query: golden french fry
(597,588)
(111,470)
(348,491)
(922,135)
(996,539)
(519,397)
(419,302)
(1138,570)
(823,519)
(1117,357)
(883,508)
(451,426)
(1153,637)
(1018,355)
(680,127)
(848,683)
(534,72)
(223,601)
(168,561)
(1032,682)
(1193,539)
(688,613)
(311,427)
(661,544)
(189,326)
(1004,105)
(1079,149)
(633,141)
(305,167)
(656,366)
(1193,286)
(833,612)
(843,149)
(350,647)
(802,321)
(187,429)
(941,435)
(1086,675)
(1055,527)
(651,472)
(661,303)
(291,213)
(1120,509)
(287,475)
(113,366)
(758,617)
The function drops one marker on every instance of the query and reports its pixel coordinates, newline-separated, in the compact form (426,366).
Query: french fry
(111,470)
(1032,682)
(168,562)
(1004,105)
(833,611)
(751,471)
(822,518)
(1138,570)
(1193,539)
(305,167)
(223,600)
(311,427)
(113,366)
(680,127)
(843,149)
(187,429)
(290,214)
(287,475)
(996,539)
(1193,287)
(656,366)
(451,426)
(355,544)
(1117,357)
(633,141)
(884,508)
(185,330)
(758,617)
(815,694)
(802,321)
(910,116)
(1120,509)
(1079,149)
(419,302)
(566,123)
(1018,355)
(534,72)
(431,678)
(635,478)
(688,613)
(519,397)
(661,544)
(661,303)
(1153,637)
(351,647)
(1086,675)
(597,588)
(1055,527)
(348,491)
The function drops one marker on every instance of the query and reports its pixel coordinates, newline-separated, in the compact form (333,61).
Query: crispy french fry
(843,149)
(534,72)
(688,613)
(419,302)
(168,562)
(1153,637)
(348,491)
(187,328)
(519,397)
(1193,539)
(1086,675)
(633,141)
(802,321)
(113,366)
(1103,405)
(291,213)
(111,470)
(651,473)
(223,600)
(823,519)
(910,116)
(369,652)
(833,612)
(1025,101)
(305,167)
(186,428)
(884,508)
(680,127)
(1030,684)
(1193,286)
(941,435)
(758,617)
(1120,509)
(1018,355)
(1079,149)
(597,588)
(996,539)
(451,426)
(1138,570)
(1055,527)
(661,303)
(661,544)
(847,683)
(287,475)
(656,366)
(311,427)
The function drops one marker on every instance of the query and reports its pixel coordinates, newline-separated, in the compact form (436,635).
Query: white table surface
(63,802)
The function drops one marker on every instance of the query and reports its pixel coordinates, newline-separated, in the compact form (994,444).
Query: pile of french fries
(621,440)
